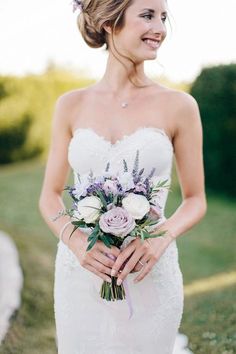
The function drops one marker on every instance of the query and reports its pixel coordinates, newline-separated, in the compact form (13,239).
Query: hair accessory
(77,5)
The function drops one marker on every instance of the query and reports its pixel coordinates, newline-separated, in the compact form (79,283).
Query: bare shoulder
(181,107)
(184,107)
(70,99)
(66,107)
(186,120)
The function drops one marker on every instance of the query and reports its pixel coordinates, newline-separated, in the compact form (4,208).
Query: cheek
(140,26)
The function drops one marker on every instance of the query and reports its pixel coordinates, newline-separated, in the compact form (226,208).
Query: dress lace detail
(88,324)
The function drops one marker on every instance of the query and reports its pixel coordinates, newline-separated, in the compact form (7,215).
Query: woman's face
(144,30)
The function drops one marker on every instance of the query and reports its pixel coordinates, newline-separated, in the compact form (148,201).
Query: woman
(109,121)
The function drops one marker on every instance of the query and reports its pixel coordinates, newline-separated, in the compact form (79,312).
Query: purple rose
(117,221)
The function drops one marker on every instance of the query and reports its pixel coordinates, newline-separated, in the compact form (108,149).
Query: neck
(116,76)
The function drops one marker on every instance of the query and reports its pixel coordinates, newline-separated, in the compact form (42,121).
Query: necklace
(124,104)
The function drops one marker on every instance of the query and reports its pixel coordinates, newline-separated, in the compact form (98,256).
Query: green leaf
(105,240)
(95,230)
(146,234)
(103,200)
(157,235)
(74,229)
(78,223)
(115,199)
(151,222)
(91,237)
(142,235)
(92,243)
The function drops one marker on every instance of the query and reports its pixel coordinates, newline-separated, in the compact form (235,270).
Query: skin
(154,105)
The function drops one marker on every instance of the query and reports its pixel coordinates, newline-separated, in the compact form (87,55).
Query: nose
(159,28)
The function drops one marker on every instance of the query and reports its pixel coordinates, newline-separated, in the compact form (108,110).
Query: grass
(206,255)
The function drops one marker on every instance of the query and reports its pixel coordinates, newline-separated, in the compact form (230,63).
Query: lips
(151,42)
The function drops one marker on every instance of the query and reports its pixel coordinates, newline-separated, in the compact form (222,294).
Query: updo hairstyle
(97,13)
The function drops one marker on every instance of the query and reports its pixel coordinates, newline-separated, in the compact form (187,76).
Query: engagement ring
(141,263)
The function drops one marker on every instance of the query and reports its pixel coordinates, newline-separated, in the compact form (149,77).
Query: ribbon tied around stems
(125,284)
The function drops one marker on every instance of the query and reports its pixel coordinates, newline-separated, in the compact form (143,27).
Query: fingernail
(135,280)
(109,280)
(113,272)
(119,281)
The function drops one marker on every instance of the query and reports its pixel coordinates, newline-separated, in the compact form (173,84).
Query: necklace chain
(125,104)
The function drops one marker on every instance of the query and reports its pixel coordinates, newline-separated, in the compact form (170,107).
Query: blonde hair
(97,13)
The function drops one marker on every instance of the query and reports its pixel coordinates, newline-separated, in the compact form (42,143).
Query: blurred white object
(181,343)
(11,282)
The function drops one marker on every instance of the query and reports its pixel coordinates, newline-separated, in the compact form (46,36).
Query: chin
(150,56)
(141,57)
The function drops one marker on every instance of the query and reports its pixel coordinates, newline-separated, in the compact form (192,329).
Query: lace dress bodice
(88,150)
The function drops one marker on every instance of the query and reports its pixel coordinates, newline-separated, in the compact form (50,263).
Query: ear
(107,28)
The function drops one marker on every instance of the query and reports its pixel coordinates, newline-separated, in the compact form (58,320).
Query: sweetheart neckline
(125,136)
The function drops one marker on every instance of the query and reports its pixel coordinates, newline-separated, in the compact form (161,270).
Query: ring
(141,263)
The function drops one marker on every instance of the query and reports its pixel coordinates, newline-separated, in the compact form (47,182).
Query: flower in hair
(77,5)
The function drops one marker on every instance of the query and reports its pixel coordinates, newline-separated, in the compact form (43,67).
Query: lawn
(206,255)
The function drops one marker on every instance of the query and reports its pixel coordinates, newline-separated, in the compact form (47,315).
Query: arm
(188,146)
(50,202)
(189,163)
(57,169)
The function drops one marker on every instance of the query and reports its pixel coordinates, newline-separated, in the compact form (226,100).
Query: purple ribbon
(125,284)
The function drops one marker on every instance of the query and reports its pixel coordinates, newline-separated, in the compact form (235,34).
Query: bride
(109,121)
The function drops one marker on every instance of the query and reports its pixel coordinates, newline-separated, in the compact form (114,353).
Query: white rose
(126,181)
(86,209)
(137,205)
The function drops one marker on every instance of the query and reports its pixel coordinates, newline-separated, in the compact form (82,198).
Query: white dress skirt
(88,324)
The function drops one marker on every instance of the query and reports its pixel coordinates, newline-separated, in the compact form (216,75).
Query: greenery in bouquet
(116,206)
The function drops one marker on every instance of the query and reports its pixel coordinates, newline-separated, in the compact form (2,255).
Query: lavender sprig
(136,164)
(125,166)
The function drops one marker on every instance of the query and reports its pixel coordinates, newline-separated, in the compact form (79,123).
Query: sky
(33,33)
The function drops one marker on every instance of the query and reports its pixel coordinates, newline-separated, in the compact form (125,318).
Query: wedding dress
(87,324)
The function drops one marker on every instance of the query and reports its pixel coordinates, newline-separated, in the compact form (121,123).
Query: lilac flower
(110,187)
(140,187)
(77,5)
(80,189)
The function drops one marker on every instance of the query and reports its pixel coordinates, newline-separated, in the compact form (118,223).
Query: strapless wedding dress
(87,324)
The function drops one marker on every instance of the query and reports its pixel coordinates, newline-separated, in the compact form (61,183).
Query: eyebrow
(153,11)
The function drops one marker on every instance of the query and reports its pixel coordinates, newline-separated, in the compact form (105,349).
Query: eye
(148,16)
(164,18)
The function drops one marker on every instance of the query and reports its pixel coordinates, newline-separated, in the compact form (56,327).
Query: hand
(147,252)
(95,259)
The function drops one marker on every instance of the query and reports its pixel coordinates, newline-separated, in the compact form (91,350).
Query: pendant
(124,104)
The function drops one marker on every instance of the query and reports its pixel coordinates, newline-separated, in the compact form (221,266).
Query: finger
(146,269)
(99,266)
(131,264)
(103,258)
(113,250)
(121,259)
(96,272)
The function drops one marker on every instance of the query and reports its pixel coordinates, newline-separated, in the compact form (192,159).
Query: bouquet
(115,207)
